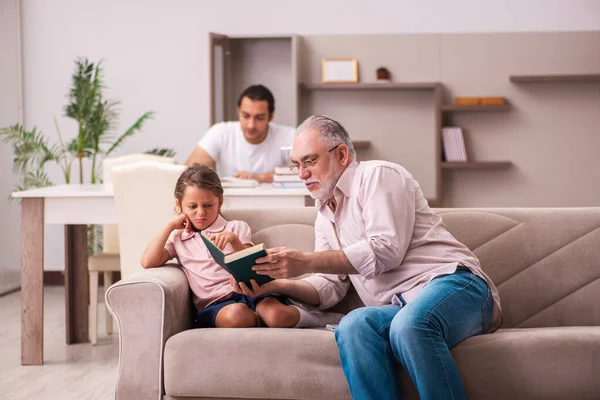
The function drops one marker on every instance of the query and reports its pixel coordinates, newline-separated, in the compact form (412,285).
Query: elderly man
(425,291)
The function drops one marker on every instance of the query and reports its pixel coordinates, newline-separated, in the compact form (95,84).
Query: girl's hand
(222,239)
(256,290)
(181,222)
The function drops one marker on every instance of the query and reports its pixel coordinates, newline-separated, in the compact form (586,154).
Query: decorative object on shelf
(339,70)
(383,75)
(480,101)
(467,101)
(492,101)
(454,144)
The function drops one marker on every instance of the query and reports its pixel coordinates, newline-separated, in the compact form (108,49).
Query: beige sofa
(545,262)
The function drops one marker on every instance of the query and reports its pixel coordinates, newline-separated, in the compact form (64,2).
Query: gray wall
(551,134)
(10,107)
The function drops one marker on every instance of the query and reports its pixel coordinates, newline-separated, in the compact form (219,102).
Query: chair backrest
(110,235)
(144,203)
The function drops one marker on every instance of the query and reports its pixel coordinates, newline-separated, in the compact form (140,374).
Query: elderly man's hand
(282,263)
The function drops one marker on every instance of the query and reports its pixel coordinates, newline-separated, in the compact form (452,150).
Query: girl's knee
(277,315)
(236,316)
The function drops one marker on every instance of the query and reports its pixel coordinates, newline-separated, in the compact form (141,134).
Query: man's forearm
(330,262)
(265,178)
(200,156)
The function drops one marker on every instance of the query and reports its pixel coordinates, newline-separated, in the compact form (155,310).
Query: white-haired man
(424,291)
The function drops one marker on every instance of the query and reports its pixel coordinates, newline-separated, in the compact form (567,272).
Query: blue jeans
(419,335)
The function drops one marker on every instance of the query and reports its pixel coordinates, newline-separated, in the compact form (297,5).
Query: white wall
(10,107)
(156,52)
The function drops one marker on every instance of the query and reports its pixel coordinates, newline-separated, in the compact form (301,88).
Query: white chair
(108,261)
(144,203)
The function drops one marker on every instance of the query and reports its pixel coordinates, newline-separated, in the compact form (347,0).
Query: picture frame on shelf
(339,70)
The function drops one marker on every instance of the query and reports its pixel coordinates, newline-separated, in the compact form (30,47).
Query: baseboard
(54,278)
(57,278)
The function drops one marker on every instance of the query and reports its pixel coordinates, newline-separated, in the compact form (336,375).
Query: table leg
(32,281)
(76,283)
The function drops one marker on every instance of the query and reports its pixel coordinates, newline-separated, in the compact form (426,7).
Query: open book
(239,264)
(231,182)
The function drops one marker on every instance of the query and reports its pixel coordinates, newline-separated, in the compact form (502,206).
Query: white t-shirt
(226,144)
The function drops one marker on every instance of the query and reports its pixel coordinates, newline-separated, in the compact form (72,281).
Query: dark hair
(258,93)
(200,176)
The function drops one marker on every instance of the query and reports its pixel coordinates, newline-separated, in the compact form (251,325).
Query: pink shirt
(389,234)
(208,281)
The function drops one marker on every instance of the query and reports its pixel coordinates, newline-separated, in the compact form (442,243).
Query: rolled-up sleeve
(388,202)
(331,288)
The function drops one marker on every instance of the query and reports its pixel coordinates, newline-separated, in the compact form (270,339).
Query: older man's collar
(344,184)
(215,227)
(345,181)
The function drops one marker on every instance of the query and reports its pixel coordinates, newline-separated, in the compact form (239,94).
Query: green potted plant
(96,119)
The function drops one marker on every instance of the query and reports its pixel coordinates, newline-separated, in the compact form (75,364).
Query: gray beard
(327,185)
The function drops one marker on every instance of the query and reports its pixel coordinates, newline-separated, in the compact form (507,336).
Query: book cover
(239,264)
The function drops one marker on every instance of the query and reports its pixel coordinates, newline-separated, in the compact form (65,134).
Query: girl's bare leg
(275,314)
(236,316)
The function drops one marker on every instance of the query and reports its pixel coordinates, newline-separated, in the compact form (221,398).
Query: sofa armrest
(150,306)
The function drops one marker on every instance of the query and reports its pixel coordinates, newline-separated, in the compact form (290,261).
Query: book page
(243,253)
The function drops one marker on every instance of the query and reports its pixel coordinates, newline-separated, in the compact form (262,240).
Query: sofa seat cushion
(532,363)
(254,363)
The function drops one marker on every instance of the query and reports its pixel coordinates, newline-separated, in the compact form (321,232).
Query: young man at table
(251,147)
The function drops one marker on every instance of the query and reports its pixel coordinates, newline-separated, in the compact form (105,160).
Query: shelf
(361,144)
(455,108)
(555,78)
(371,86)
(477,165)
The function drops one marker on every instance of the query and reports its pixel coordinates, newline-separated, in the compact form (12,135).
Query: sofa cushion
(544,261)
(533,363)
(254,363)
(297,236)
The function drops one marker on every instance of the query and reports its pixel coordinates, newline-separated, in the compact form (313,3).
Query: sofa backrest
(545,262)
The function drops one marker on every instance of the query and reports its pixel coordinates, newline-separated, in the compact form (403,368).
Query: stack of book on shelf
(454,144)
(284,178)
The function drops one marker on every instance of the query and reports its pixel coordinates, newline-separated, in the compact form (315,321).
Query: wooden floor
(80,371)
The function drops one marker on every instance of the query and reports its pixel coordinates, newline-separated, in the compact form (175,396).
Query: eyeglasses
(310,163)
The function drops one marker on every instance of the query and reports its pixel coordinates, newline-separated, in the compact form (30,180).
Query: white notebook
(231,182)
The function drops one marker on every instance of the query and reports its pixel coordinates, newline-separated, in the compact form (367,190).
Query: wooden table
(75,207)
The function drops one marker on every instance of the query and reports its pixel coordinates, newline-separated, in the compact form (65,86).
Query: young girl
(199,197)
